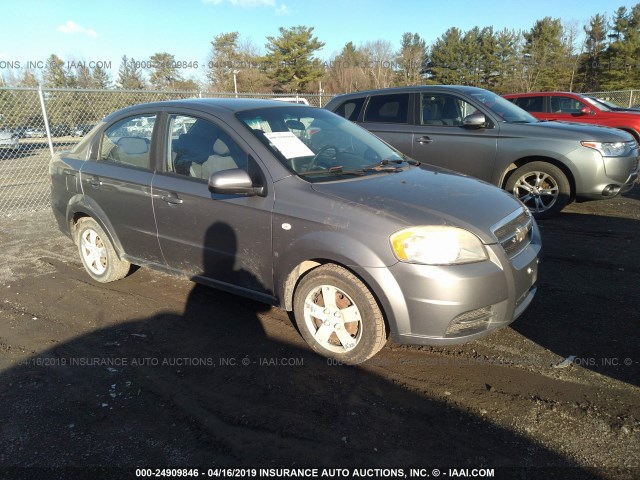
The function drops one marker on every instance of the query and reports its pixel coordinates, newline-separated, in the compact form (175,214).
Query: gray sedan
(297,207)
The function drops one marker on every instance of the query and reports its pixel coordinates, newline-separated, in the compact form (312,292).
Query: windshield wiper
(387,165)
(384,165)
(338,170)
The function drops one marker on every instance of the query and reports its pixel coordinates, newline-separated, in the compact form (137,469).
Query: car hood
(577,131)
(428,195)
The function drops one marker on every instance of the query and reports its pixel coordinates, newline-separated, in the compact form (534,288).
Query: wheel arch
(631,132)
(306,266)
(80,207)
(538,158)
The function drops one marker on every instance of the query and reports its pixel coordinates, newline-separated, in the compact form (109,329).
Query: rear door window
(393,108)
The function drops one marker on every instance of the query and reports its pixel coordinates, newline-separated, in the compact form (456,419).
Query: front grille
(514,232)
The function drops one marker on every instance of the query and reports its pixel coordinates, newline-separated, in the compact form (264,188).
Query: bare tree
(379,62)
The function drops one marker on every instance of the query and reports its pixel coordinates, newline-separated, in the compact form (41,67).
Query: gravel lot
(153,371)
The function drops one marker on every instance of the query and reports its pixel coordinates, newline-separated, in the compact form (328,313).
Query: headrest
(221,148)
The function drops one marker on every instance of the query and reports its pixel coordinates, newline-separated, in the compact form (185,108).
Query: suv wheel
(97,253)
(338,316)
(542,187)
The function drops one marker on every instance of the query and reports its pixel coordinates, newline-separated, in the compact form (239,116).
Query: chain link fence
(624,98)
(36,123)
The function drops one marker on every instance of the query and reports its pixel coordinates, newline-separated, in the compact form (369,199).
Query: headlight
(437,245)
(609,149)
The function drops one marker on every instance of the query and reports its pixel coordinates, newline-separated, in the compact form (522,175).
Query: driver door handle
(171,199)
(424,139)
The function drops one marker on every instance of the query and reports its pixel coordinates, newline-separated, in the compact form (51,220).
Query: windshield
(319,145)
(503,108)
(600,104)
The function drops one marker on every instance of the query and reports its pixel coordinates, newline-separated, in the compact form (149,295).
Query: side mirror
(586,111)
(234,181)
(475,120)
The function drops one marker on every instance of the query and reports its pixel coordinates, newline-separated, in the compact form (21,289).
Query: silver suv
(297,207)
(476,132)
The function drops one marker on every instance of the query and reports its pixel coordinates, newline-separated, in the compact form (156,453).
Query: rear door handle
(424,139)
(95,182)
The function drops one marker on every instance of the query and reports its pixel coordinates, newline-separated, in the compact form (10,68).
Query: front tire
(97,254)
(542,187)
(338,316)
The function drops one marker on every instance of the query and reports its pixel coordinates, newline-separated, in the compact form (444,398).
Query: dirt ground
(153,372)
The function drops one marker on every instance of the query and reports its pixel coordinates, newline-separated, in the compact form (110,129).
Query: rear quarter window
(350,109)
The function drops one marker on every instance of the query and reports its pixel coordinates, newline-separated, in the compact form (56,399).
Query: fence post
(46,119)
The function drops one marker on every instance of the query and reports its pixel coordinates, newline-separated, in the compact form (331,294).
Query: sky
(97,31)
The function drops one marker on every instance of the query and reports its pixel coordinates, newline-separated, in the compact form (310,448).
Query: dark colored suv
(476,132)
(573,107)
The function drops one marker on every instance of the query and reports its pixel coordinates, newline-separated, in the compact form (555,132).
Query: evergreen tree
(489,58)
(471,68)
(545,62)
(290,61)
(508,52)
(595,43)
(100,78)
(55,75)
(224,60)
(129,75)
(446,58)
(621,57)
(164,72)
(411,59)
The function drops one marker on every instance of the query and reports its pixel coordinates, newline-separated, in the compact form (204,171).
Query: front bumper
(599,177)
(443,305)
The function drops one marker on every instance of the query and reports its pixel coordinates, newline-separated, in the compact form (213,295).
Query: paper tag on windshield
(289,145)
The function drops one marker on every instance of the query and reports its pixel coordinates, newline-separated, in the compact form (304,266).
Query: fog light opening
(611,191)
(473,320)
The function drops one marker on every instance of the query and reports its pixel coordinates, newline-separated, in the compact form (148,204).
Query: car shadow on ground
(210,388)
(586,304)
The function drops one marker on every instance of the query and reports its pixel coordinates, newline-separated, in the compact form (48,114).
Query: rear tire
(97,254)
(542,187)
(338,316)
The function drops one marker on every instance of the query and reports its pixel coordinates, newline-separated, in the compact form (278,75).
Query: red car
(573,107)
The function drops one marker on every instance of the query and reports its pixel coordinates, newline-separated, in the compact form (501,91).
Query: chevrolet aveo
(298,207)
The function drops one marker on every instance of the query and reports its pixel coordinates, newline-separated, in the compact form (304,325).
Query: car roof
(212,105)
(540,94)
(413,89)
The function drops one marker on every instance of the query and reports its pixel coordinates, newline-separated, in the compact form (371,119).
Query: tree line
(552,55)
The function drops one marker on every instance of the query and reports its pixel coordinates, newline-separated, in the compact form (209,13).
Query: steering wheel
(314,160)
